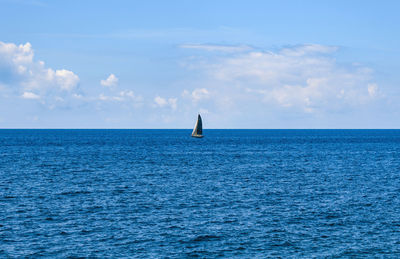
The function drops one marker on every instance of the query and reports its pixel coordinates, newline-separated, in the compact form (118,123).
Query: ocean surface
(234,193)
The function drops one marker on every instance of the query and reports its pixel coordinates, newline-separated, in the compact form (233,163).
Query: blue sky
(241,64)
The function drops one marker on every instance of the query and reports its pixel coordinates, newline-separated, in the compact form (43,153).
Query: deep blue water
(234,193)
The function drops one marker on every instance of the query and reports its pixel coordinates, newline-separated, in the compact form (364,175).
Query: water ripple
(234,193)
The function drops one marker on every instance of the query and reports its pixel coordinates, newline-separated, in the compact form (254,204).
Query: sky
(240,64)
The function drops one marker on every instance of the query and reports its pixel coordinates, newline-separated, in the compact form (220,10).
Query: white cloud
(162,102)
(66,79)
(122,96)
(308,49)
(200,93)
(29,95)
(21,71)
(111,81)
(24,77)
(304,77)
(77,96)
(128,94)
(222,48)
(197,94)
(372,90)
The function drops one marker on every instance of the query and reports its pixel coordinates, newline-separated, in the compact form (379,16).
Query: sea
(233,194)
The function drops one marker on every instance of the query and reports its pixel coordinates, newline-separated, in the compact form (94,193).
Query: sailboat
(198,128)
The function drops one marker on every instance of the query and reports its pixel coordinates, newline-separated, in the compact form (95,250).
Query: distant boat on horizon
(198,128)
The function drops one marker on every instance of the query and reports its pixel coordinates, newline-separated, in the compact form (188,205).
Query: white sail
(195,129)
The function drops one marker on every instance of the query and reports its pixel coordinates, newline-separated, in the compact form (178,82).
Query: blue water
(234,193)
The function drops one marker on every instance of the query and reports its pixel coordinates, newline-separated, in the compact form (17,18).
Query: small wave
(94,208)
(332,216)
(203,238)
(175,227)
(284,244)
(74,193)
(230,221)
(84,231)
(117,191)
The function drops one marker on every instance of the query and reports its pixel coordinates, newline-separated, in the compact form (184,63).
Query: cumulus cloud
(66,79)
(29,95)
(200,93)
(197,94)
(162,102)
(111,81)
(372,90)
(122,96)
(21,72)
(303,77)
(127,93)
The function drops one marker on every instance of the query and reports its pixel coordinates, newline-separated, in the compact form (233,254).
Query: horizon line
(203,129)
